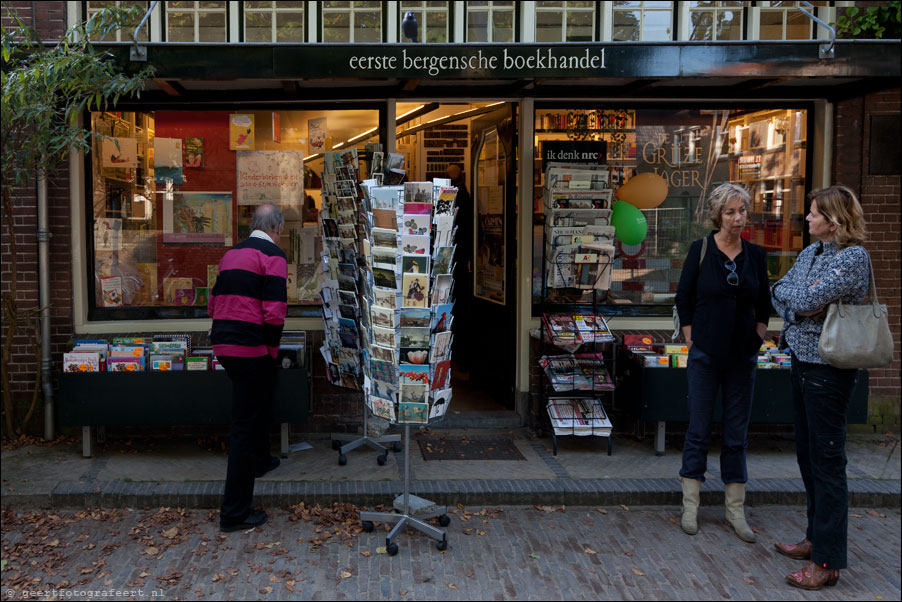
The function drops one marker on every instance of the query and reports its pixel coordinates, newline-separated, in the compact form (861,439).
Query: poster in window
(120,152)
(194,152)
(167,160)
(108,234)
(197,218)
(111,291)
(317,131)
(272,177)
(241,131)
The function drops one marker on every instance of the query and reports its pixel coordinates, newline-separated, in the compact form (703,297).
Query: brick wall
(880,199)
(49,18)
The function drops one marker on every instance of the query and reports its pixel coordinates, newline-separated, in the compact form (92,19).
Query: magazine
(579,417)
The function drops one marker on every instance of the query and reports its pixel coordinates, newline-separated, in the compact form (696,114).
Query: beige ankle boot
(692,489)
(734,498)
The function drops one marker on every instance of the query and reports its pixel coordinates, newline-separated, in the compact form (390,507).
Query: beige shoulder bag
(857,336)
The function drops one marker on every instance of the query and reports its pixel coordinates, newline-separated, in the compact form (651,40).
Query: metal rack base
(356,441)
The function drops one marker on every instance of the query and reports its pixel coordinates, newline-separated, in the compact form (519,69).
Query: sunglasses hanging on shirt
(732,277)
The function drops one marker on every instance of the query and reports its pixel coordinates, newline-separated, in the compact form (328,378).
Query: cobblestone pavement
(519,552)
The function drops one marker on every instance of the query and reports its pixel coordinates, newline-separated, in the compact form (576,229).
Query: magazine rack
(578,254)
(406,517)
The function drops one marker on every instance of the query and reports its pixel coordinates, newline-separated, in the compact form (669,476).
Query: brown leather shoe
(813,577)
(798,551)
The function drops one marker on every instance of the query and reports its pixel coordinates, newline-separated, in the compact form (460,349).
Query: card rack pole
(355,441)
(406,518)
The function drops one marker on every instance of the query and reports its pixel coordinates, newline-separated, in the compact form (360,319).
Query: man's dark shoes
(256,518)
(273,464)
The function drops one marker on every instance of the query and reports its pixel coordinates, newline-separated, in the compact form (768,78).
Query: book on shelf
(82,361)
(584,416)
(580,372)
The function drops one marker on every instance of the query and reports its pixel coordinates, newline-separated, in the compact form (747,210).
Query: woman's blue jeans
(736,378)
(821,396)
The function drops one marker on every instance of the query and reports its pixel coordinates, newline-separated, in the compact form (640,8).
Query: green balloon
(629,222)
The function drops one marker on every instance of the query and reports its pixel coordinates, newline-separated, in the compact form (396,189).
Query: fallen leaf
(873,512)
(628,553)
(345,574)
(381,550)
(602,510)
(590,551)
(625,507)
(534,556)
(365,553)
(151,551)
(403,592)
(452,586)
(638,572)
(856,516)
(749,580)
(170,533)
(266,590)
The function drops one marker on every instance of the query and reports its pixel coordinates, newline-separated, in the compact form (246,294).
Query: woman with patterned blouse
(834,268)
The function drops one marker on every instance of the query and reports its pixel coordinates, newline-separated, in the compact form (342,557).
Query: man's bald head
(267,217)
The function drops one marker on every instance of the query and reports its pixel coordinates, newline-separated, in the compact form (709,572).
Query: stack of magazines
(566,329)
(577,372)
(579,417)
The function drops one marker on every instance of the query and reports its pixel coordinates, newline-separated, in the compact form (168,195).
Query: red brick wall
(49,17)
(880,199)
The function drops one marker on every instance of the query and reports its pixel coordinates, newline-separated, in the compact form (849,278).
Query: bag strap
(701,257)
(872,288)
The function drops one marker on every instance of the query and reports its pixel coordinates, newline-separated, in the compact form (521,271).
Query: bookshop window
(274,22)
(122,34)
(171,191)
(715,20)
(432,21)
(565,21)
(352,22)
(643,21)
(196,21)
(490,21)
(784,21)
(690,152)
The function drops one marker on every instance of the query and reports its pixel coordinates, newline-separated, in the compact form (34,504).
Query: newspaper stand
(578,254)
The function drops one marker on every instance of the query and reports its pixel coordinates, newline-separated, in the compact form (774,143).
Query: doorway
(474,144)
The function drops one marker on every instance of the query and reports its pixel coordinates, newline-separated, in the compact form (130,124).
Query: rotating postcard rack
(345,280)
(407,348)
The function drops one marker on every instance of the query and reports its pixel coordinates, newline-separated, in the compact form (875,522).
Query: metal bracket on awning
(138,52)
(825,51)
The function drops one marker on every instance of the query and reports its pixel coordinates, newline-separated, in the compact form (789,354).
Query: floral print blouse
(821,275)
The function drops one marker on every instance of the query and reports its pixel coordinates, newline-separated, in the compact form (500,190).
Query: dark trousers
(253,381)
(821,395)
(736,378)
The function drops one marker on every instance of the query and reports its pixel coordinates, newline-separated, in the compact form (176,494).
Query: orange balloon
(644,191)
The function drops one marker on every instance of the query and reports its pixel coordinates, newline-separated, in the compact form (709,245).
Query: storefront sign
(571,151)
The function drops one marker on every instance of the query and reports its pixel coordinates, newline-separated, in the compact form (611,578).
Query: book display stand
(407,345)
(579,256)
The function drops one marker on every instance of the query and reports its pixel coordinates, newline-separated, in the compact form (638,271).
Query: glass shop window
(689,152)
(715,20)
(490,21)
(784,20)
(274,22)
(350,22)
(171,191)
(565,21)
(643,21)
(197,21)
(433,22)
(123,34)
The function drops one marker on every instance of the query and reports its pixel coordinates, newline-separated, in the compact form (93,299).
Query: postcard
(445,203)
(443,260)
(415,290)
(441,347)
(383,408)
(418,192)
(415,264)
(384,277)
(415,245)
(194,152)
(120,152)
(418,225)
(411,374)
(386,354)
(346,298)
(385,297)
(384,336)
(383,371)
(416,317)
(382,316)
(415,337)
(385,238)
(441,317)
(440,402)
(386,197)
(386,219)
(414,355)
(112,291)
(442,375)
(412,412)
(382,390)
(385,257)
(442,292)
(417,208)
(414,394)
(347,311)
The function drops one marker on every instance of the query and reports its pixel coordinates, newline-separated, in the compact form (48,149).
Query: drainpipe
(44,300)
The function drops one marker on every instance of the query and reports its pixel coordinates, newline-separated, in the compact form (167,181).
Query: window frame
(688,10)
(565,9)
(196,11)
(274,11)
(489,10)
(675,8)
(95,314)
(449,25)
(321,31)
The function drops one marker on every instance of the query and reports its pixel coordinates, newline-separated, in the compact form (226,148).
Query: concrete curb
(498,492)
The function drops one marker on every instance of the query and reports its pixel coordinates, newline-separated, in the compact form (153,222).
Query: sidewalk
(186,472)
